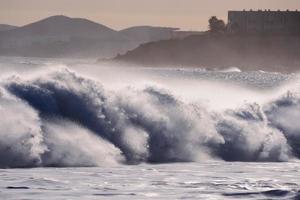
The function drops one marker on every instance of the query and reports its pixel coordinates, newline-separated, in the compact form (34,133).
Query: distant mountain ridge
(61,26)
(61,36)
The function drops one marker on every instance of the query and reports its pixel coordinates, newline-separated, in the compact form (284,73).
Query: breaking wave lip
(63,119)
(232,69)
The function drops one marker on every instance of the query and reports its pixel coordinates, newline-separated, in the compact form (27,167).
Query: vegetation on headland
(216,26)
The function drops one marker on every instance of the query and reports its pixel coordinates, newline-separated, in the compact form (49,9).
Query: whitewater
(74,129)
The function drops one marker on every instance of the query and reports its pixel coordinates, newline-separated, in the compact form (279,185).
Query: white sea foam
(67,117)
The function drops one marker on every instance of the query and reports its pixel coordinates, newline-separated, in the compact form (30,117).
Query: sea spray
(76,121)
(21,139)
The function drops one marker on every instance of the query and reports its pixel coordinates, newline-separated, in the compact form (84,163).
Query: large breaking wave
(64,119)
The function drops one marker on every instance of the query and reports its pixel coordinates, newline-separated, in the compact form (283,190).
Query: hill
(270,53)
(61,36)
(63,26)
(6,27)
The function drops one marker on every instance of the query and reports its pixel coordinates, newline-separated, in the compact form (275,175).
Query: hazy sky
(118,14)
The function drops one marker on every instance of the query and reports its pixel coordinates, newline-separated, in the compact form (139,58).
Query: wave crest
(137,125)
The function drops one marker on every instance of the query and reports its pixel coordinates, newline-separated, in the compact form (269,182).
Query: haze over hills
(65,37)
(61,36)
(145,34)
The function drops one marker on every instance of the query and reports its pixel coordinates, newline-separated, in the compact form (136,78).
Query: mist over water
(79,114)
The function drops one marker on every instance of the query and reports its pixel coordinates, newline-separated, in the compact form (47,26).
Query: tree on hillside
(216,25)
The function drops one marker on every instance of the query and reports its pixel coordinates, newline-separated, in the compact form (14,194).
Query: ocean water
(73,129)
(214,180)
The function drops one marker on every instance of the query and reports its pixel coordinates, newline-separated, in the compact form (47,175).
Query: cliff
(270,53)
